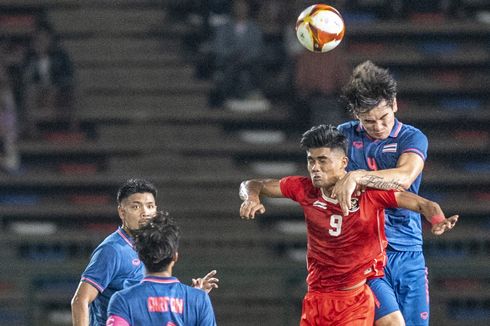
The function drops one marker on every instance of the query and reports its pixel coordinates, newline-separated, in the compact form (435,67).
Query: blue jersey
(113,266)
(403,227)
(162,301)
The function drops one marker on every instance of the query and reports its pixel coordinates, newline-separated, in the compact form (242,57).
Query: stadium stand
(144,114)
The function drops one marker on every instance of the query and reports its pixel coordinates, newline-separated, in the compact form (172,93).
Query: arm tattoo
(380,183)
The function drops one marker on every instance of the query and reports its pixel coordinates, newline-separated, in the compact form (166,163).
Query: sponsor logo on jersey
(357,144)
(424,315)
(320,204)
(136,262)
(390,148)
(354,202)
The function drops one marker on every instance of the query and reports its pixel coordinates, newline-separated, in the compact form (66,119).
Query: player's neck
(127,230)
(327,190)
(160,274)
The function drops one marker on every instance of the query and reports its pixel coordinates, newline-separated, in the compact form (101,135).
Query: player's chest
(373,155)
(322,216)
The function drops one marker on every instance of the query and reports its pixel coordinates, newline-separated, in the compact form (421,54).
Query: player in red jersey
(343,251)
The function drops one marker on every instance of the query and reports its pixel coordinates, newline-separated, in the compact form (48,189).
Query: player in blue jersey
(160,299)
(387,154)
(114,264)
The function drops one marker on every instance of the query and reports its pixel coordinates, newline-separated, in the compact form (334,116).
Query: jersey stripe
(92,282)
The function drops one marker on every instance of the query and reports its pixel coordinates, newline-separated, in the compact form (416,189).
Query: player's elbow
(79,301)
(405,180)
(75,302)
(405,184)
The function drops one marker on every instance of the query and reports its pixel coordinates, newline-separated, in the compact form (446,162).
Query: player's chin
(318,183)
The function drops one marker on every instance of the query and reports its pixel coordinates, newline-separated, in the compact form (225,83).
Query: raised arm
(408,167)
(431,211)
(83,297)
(250,192)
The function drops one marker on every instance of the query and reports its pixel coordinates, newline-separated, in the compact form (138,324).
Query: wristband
(436,219)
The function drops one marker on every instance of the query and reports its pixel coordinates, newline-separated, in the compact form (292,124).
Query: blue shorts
(404,287)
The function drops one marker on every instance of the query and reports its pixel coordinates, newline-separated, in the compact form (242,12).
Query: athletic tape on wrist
(436,219)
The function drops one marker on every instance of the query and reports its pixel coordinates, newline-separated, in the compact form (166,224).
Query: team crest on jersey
(354,202)
(320,204)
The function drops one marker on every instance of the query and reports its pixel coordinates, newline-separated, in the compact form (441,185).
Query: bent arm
(83,297)
(250,192)
(408,168)
(431,211)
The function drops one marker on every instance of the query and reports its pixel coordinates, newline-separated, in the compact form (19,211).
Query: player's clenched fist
(249,208)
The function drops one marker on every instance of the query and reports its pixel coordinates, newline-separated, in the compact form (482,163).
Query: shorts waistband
(338,293)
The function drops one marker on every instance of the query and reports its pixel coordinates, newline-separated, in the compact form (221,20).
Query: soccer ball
(320,28)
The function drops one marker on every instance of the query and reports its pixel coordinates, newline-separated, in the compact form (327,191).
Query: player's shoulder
(411,131)
(373,191)
(131,293)
(372,195)
(297,181)
(112,243)
(192,292)
(348,127)
(296,178)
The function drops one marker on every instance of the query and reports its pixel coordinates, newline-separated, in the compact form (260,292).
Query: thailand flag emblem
(390,148)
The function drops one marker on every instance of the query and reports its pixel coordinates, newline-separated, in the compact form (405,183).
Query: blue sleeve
(206,317)
(414,141)
(343,128)
(102,267)
(118,307)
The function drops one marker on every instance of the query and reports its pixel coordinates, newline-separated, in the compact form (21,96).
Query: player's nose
(147,212)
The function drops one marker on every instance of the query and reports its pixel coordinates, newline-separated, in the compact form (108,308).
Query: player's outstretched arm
(409,166)
(431,211)
(80,302)
(250,192)
(206,283)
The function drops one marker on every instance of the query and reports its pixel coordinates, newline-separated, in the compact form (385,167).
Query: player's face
(136,209)
(326,166)
(379,121)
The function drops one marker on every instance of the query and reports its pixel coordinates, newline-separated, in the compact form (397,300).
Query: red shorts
(339,308)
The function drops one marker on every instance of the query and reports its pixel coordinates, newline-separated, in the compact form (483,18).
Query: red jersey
(342,250)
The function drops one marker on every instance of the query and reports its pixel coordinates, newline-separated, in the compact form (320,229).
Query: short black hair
(135,186)
(324,136)
(157,242)
(367,87)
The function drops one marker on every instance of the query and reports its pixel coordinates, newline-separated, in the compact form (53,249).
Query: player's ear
(395,106)
(176,257)
(345,161)
(120,211)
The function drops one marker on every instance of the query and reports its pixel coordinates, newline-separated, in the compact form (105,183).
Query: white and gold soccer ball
(320,28)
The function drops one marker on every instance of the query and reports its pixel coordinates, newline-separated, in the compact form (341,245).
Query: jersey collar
(123,234)
(397,126)
(160,279)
